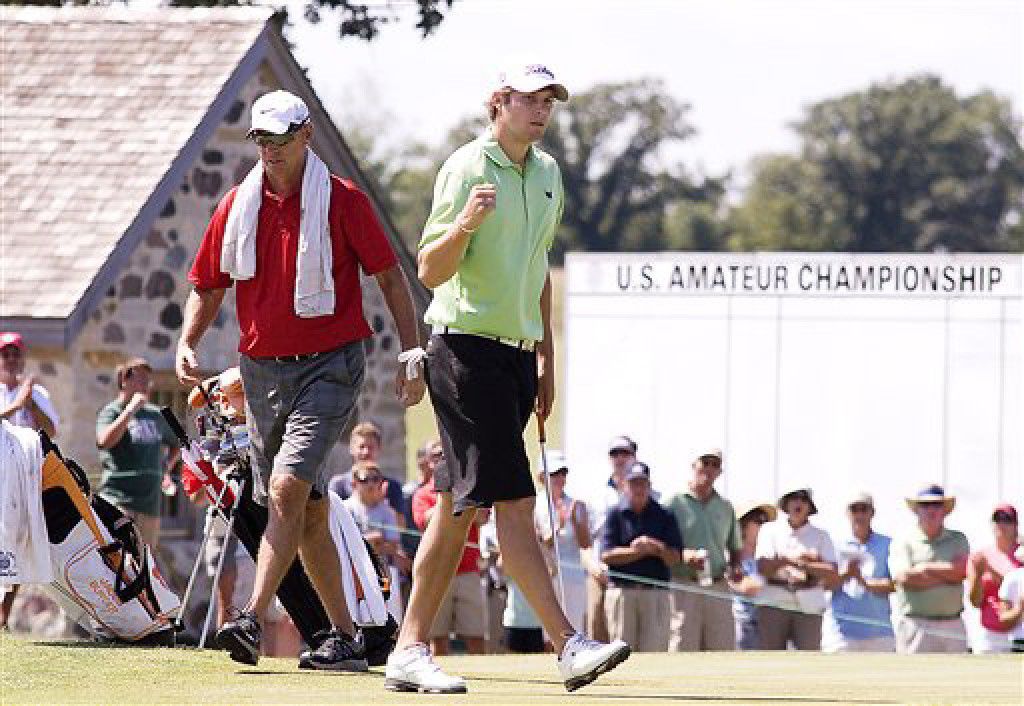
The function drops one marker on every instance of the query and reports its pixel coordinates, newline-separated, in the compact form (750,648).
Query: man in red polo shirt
(291,238)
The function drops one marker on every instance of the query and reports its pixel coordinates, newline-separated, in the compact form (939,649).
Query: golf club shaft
(551,509)
(220,563)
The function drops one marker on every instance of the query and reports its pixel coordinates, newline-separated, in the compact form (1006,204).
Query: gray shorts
(297,411)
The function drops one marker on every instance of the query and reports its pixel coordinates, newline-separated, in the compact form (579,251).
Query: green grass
(66,673)
(419,420)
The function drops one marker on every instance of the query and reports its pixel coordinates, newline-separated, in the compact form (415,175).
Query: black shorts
(483,393)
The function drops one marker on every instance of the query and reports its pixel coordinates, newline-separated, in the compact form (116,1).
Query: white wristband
(412,358)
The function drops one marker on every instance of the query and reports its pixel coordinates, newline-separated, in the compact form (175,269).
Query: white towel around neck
(314,282)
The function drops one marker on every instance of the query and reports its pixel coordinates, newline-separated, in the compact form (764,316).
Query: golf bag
(105,576)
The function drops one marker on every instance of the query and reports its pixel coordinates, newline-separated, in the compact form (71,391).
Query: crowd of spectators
(696,571)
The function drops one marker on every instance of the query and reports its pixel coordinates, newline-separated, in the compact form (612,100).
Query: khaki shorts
(463,609)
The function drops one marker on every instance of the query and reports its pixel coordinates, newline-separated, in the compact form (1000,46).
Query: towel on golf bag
(105,576)
(24,551)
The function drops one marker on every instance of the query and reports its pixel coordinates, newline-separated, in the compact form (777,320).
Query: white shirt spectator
(778,539)
(22,418)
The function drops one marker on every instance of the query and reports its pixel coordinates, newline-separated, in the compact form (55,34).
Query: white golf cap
(527,78)
(278,112)
(556,461)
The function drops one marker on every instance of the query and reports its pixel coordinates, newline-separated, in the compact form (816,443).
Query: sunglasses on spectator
(1004,517)
(10,352)
(860,507)
(620,452)
(370,479)
(931,504)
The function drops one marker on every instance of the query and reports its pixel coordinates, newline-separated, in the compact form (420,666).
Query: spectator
(751,517)
(640,539)
(985,572)
(378,522)
(523,631)
(364,444)
(798,562)
(427,458)
(710,534)
(857,619)
(1011,603)
(573,535)
(621,454)
(462,609)
(928,569)
(23,403)
(137,449)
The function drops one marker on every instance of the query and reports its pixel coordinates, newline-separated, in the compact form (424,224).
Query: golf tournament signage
(800,274)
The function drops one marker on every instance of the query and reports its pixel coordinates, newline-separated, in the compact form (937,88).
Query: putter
(551,510)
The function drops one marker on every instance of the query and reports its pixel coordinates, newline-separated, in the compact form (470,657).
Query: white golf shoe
(414,669)
(583,660)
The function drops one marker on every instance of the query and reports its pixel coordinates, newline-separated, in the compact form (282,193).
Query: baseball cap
(278,112)
(638,469)
(621,443)
(705,451)
(11,338)
(527,78)
(1005,510)
(556,461)
(861,499)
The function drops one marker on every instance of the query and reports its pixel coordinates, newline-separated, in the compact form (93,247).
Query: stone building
(122,130)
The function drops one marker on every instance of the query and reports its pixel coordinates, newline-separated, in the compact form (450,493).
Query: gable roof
(103,112)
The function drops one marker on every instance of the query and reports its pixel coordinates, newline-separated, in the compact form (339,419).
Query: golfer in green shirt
(490,365)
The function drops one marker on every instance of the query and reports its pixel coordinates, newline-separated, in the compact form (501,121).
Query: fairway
(66,672)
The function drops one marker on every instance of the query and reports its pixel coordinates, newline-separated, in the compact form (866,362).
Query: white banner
(795,274)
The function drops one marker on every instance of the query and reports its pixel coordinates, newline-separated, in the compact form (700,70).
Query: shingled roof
(103,110)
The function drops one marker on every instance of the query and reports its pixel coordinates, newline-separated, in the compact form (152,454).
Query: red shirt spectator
(357,239)
(423,500)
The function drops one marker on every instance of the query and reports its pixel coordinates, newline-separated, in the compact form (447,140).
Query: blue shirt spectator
(869,610)
(623,524)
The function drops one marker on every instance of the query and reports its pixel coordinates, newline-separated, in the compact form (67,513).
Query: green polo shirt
(711,525)
(496,289)
(946,601)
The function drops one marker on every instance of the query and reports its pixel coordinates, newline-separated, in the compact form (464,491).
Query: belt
(521,344)
(290,358)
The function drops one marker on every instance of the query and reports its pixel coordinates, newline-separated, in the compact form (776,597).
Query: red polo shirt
(425,498)
(266,303)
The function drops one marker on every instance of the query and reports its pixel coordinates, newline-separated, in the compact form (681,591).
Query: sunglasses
(860,507)
(370,479)
(931,504)
(620,452)
(1004,517)
(268,140)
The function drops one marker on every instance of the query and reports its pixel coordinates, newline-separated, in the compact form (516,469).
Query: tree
(356,19)
(613,144)
(906,166)
(610,143)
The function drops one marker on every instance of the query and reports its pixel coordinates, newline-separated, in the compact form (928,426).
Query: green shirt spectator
(941,601)
(133,469)
(707,525)
(499,280)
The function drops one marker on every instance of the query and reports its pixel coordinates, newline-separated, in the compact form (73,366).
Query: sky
(748,68)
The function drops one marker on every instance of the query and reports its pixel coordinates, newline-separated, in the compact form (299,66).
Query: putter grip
(540,429)
(175,425)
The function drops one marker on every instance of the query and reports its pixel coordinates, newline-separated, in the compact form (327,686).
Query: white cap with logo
(527,78)
(556,461)
(278,112)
